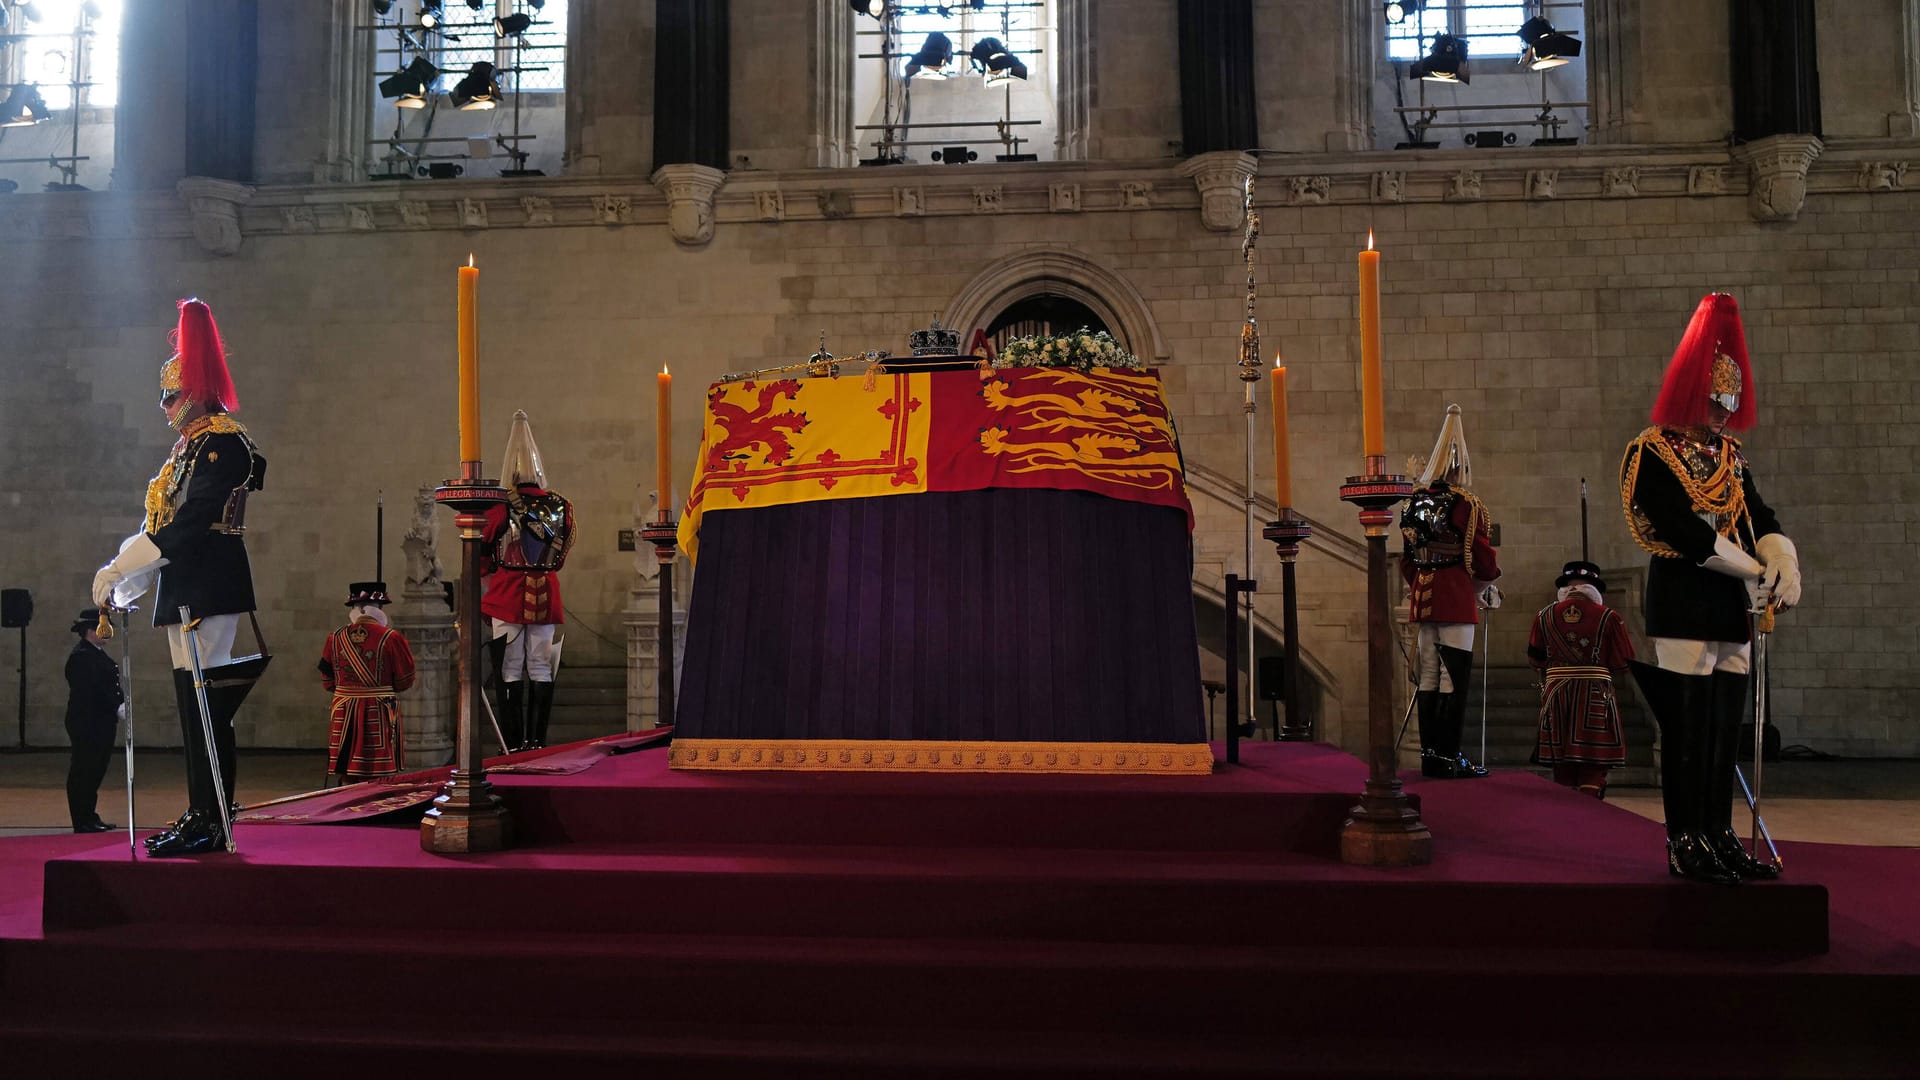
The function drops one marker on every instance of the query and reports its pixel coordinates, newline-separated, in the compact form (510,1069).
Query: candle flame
(1276,361)
(470,256)
(664,371)
(1369,238)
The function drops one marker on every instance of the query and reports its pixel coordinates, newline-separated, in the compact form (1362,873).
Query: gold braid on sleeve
(1477,519)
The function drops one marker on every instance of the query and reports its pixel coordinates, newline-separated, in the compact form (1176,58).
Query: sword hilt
(1764,621)
(104,627)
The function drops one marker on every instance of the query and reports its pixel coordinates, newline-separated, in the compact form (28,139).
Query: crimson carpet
(888,925)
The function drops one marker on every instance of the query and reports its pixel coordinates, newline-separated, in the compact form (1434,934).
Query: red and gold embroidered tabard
(1578,645)
(769,443)
(365,665)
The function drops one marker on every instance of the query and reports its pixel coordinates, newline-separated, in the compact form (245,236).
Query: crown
(935,341)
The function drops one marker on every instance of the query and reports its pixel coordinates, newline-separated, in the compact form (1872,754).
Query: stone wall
(1541,291)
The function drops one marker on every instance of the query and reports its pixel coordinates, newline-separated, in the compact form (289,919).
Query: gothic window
(1044,313)
(54,55)
(936,82)
(1510,90)
(492,99)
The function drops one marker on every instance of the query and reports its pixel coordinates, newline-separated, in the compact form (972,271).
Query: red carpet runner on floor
(835,925)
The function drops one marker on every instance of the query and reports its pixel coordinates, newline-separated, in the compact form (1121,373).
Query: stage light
(24,108)
(931,61)
(430,13)
(508,25)
(1546,47)
(31,11)
(477,4)
(537,5)
(1447,62)
(91,9)
(993,60)
(870,8)
(1398,10)
(382,7)
(478,90)
(410,86)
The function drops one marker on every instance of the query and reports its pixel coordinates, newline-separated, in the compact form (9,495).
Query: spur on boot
(197,835)
(1691,857)
(1733,855)
(1438,766)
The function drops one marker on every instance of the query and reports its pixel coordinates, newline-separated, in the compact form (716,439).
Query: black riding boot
(1680,705)
(513,714)
(1452,713)
(1731,699)
(198,830)
(189,713)
(540,712)
(1432,764)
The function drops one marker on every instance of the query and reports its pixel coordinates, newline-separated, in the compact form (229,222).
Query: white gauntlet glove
(1490,596)
(1728,558)
(1781,574)
(136,553)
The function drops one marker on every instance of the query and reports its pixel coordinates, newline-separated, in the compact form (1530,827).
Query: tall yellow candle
(663,440)
(1373,411)
(1282,452)
(469,333)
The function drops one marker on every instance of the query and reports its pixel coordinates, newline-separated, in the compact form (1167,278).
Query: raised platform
(885,925)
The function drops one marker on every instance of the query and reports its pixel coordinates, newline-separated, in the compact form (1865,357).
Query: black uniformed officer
(94,704)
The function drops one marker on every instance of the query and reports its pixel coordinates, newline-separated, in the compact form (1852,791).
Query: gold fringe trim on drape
(891,755)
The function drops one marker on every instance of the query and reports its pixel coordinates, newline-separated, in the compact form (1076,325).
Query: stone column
(422,614)
(609,92)
(642,619)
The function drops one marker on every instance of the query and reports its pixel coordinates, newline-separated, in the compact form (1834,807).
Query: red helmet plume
(199,365)
(1714,339)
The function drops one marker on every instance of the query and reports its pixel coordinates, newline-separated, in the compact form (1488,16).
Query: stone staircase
(588,702)
(1513,715)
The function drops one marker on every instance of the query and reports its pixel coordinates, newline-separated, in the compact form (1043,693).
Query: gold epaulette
(212,424)
(1722,494)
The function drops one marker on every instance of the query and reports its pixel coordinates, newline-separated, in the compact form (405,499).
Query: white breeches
(1428,638)
(216,633)
(1688,657)
(529,650)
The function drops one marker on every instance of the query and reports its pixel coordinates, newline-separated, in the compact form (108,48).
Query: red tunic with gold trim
(1579,646)
(1449,554)
(365,665)
(522,596)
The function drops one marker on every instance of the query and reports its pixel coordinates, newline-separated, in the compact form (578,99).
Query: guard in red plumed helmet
(1718,558)
(190,546)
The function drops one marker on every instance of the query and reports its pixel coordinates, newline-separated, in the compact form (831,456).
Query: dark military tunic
(188,520)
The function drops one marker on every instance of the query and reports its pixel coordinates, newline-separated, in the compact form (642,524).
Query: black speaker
(1273,678)
(16,608)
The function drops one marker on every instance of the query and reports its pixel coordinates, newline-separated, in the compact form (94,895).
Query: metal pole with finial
(1251,370)
(1584,557)
(379,534)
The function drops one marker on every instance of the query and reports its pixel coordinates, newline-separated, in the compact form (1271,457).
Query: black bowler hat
(1580,573)
(86,620)
(367,592)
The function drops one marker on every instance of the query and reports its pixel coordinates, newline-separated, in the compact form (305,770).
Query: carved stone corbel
(1777,174)
(215,205)
(1221,178)
(689,190)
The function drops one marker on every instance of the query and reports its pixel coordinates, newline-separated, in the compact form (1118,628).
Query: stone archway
(1062,271)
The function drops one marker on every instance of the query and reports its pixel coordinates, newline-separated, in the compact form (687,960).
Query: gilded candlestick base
(468,816)
(664,534)
(1286,535)
(1384,829)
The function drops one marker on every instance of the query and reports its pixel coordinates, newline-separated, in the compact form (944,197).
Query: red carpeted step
(859,1001)
(315,876)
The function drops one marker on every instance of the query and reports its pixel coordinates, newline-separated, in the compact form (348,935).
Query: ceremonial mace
(1250,370)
